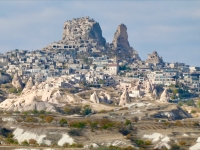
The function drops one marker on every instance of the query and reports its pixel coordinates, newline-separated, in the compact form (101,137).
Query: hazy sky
(172,28)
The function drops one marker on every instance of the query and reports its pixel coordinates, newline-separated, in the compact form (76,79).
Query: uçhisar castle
(85,35)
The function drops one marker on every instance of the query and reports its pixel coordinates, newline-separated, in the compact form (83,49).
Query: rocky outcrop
(28,86)
(121,37)
(39,97)
(148,88)
(136,88)
(155,94)
(164,96)
(94,98)
(124,99)
(16,82)
(121,45)
(154,58)
(83,29)
(81,34)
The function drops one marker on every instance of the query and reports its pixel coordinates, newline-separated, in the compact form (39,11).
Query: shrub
(77,124)
(135,119)
(66,145)
(193,111)
(128,122)
(190,102)
(180,103)
(147,142)
(129,136)
(63,122)
(42,116)
(78,145)
(10,135)
(129,148)
(25,143)
(124,108)
(175,147)
(139,143)
(72,110)
(54,144)
(124,131)
(13,90)
(49,119)
(32,142)
(86,111)
(178,123)
(11,141)
(102,111)
(182,143)
(30,119)
(106,123)
(75,132)
(93,124)
(35,112)
(42,112)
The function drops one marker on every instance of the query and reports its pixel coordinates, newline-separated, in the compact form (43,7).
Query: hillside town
(82,76)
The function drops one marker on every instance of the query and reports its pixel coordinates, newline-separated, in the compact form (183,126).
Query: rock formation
(107,96)
(16,82)
(148,88)
(155,94)
(121,37)
(38,97)
(164,96)
(136,88)
(28,86)
(82,34)
(121,45)
(124,99)
(154,58)
(94,98)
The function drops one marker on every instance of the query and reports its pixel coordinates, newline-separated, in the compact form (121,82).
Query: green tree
(128,122)
(86,60)
(86,110)
(95,67)
(175,147)
(63,122)
(198,103)
(25,143)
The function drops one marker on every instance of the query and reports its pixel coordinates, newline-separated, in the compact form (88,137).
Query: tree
(180,103)
(198,103)
(175,147)
(35,112)
(128,122)
(42,116)
(49,119)
(135,119)
(62,122)
(86,110)
(95,67)
(85,60)
(32,142)
(25,143)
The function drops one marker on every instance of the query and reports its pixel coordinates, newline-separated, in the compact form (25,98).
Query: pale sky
(172,28)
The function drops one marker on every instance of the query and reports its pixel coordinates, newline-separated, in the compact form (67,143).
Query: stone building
(154,59)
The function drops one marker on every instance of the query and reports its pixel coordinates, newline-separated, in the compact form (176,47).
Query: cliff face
(83,29)
(85,35)
(121,37)
(121,45)
(154,58)
(16,82)
(81,34)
